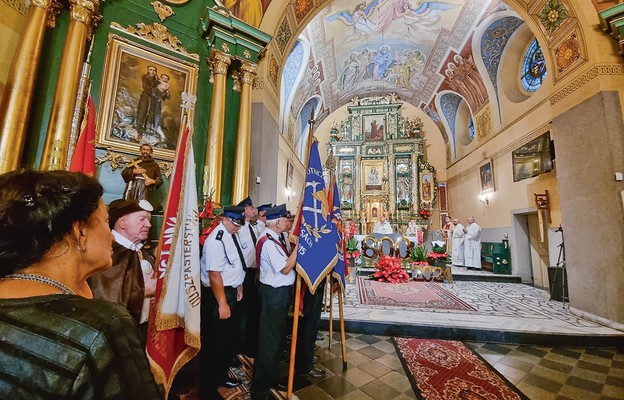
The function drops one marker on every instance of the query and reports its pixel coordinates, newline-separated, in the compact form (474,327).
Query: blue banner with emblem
(318,236)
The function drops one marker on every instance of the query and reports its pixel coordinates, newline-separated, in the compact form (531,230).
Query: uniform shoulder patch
(219,235)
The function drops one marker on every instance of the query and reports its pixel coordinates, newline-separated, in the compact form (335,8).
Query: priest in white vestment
(457,243)
(472,251)
(383,226)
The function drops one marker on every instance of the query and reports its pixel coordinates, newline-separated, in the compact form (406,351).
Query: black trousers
(274,304)
(247,316)
(217,342)
(308,328)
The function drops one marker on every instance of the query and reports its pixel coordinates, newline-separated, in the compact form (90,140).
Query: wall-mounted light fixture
(484,198)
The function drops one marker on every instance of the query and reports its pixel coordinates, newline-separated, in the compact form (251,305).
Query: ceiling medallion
(552,15)
(162,10)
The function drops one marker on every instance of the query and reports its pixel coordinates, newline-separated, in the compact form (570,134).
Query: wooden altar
(380,165)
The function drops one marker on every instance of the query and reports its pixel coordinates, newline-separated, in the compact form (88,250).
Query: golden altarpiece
(381,166)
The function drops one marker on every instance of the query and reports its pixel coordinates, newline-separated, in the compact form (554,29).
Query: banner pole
(331,310)
(293,343)
(342,329)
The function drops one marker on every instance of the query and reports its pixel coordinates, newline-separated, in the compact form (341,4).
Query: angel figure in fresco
(420,21)
(426,12)
(359,19)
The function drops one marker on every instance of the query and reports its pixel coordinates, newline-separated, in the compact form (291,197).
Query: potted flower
(418,255)
(389,269)
(352,252)
(438,256)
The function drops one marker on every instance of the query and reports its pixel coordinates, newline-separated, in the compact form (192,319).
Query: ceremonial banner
(318,237)
(174,323)
(84,154)
(340,270)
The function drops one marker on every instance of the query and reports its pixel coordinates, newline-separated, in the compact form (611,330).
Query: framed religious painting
(427,187)
(290,168)
(403,183)
(373,127)
(485,172)
(372,176)
(443,196)
(141,97)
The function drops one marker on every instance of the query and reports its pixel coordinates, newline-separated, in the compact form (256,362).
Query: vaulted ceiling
(414,49)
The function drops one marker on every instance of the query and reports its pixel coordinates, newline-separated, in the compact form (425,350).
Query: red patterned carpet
(423,295)
(448,370)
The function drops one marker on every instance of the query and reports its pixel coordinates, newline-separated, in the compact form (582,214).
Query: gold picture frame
(372,176)
(427,185)
(135,107)
(485,173)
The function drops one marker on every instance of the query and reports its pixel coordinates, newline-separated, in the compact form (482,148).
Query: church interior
(509,111)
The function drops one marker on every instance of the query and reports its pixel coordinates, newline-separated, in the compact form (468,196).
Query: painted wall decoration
(140,98)
(383,32)
(249,11)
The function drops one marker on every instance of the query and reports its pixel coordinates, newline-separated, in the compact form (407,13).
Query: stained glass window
(533,67)
(471,131)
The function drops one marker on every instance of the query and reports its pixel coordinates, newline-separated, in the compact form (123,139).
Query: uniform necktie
(240,252)
(253,234)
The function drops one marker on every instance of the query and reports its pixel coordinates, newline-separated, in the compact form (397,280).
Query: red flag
(174,325)
(84,154)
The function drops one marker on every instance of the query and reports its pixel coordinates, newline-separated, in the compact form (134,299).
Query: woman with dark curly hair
(55,340)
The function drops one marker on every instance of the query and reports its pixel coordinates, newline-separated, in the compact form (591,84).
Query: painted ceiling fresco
(376,47)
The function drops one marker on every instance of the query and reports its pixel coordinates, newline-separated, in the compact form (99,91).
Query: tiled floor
(499,307)
(545,348)
(560,371)
(542,373)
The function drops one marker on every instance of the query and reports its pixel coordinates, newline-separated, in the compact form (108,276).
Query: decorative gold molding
(219,62)
(17,5)
(248,72)
(612,69)
(157,34)
(162,10)
(87,12)
(118,160)
(53,9)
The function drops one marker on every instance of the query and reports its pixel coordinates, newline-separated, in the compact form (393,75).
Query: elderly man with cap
(261,218)
(131,279)
(222,275)
(277,276)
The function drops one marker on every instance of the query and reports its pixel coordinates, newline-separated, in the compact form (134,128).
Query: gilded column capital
(248,73)
(219,62)
(52,9)
(85,11)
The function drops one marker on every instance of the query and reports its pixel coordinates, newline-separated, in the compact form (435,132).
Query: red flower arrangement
(389,269)
(209,220)
(425,213)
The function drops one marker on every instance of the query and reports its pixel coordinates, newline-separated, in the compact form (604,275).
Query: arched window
(533,67)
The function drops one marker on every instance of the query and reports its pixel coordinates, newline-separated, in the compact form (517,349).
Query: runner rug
(423,295)
(446,369)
